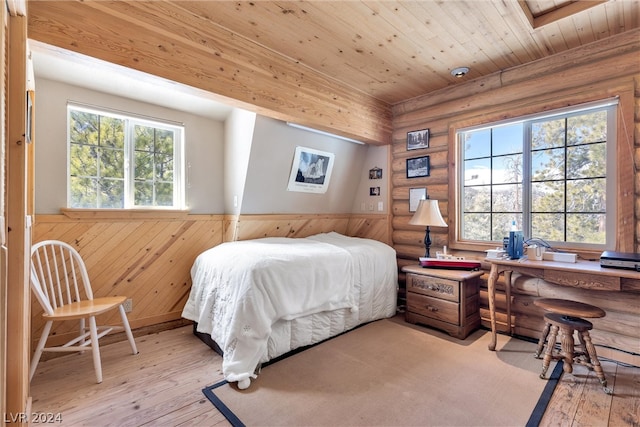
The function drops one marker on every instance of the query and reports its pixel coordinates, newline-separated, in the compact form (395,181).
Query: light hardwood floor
(161,386)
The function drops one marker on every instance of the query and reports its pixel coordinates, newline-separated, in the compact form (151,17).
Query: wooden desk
(582,274)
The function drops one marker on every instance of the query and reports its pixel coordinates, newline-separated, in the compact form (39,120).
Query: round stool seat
(575,323)
(569,308)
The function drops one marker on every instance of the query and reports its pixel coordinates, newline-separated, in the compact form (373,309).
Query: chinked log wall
(604,69)
(148,256)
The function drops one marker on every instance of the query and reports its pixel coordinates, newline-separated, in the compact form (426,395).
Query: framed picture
(374,191)
(417,139)
(417,167)
(310,171)
(375,173)
(415,195)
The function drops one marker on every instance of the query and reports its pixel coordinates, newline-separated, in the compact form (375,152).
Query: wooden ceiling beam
(163,39)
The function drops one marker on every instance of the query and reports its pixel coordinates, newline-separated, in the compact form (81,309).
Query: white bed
(259,299)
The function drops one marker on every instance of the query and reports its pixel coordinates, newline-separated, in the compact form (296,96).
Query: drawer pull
(431,308)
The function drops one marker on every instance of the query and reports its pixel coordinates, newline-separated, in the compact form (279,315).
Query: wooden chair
(61,285)
(566,317)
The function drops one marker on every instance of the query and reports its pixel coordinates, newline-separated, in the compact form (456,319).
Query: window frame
(613,175)
(131,120)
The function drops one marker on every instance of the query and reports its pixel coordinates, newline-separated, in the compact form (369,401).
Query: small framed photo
(418,139)
(374,191)
(417,167)
(375,173)
(415,195)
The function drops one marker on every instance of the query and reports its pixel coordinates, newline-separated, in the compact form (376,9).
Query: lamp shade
(428,213)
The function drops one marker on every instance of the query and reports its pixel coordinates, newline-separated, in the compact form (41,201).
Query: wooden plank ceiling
(361,56)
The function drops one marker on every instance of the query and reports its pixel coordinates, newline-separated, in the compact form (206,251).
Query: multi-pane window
(548,174)
(120,162)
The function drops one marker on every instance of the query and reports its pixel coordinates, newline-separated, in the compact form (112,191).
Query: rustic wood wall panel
(603,69)
(245,227)
(148,257)
(376,227)
(257,226)
(144,258)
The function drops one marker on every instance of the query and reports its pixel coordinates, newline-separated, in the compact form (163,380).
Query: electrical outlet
(128,305)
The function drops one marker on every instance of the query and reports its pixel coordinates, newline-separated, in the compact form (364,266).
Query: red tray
(452,264)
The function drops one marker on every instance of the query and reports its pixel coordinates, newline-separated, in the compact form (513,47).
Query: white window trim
(611,175)
(179,188)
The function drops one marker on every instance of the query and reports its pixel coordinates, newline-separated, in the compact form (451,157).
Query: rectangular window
(123,162)
(548,174)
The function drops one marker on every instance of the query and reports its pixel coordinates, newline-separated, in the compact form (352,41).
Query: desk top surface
(581,265)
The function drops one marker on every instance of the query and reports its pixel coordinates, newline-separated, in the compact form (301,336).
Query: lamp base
(427,243)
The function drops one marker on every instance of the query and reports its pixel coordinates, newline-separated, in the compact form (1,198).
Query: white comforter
(242,289)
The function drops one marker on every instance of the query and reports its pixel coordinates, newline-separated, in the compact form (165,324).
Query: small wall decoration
(310,171)
(374,191)
(417,167)
(375,173)
(418,139)
(415,195)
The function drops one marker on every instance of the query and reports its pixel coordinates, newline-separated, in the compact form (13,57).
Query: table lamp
(428,213)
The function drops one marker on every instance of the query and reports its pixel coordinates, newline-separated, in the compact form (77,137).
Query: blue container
(515,245)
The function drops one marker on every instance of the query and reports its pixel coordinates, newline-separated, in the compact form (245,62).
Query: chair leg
(567,344)
(83,330)
(548,354)
(584,354)
(95,348)
(542,340)
(39,348)
(127,329)
(591,351)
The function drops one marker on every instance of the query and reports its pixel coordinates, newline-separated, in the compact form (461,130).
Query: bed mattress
(263,298)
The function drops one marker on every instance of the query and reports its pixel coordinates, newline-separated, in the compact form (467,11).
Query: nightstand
(443,299)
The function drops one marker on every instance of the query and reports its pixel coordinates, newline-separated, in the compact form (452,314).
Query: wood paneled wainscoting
(243,227)
(147,256)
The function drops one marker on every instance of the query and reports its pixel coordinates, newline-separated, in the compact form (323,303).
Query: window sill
(124,213)
(583,253)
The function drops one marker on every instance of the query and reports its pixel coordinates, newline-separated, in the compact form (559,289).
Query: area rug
(392,374)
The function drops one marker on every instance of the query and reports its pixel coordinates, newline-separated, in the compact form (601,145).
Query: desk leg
(491,290)
(507,292)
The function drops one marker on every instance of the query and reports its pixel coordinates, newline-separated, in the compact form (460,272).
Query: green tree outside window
(122,162)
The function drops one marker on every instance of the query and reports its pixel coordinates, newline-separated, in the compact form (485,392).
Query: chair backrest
(58,275)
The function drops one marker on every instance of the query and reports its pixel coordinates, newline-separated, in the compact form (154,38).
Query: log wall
(604,69)
(148,256)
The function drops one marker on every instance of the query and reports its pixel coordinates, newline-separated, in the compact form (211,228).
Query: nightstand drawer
(434,308)
(434,287)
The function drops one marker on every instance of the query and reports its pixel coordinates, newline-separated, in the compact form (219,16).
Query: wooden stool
(567,317)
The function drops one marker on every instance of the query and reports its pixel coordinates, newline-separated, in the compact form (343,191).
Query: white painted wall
(246,156)
(204,141)
(363,202)
(272,153)
(239,128)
